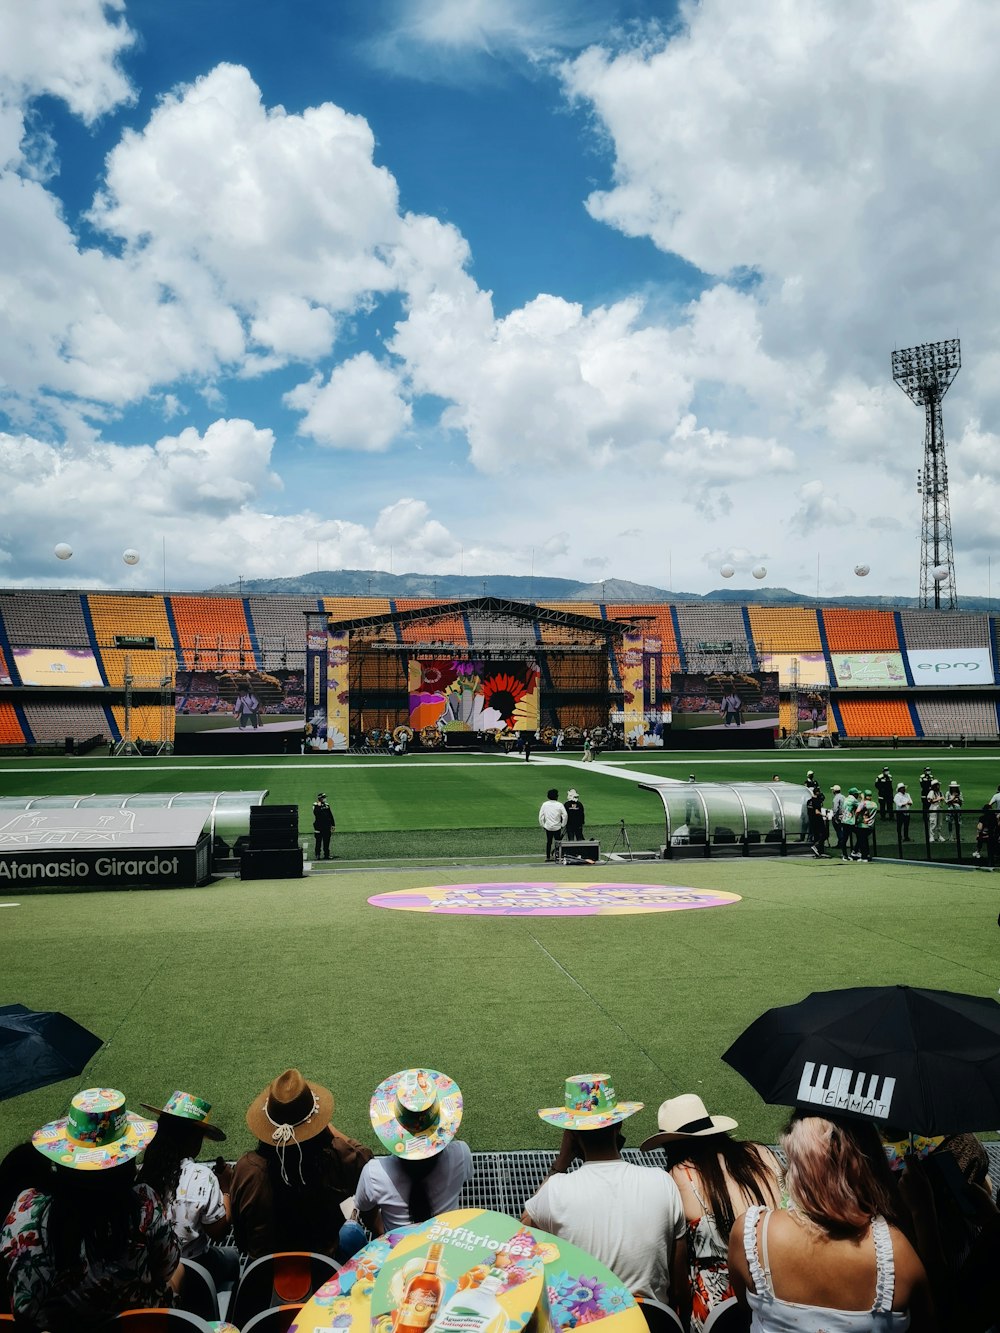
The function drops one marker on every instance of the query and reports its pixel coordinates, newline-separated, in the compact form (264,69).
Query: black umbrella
(38,1048)
(927,1061)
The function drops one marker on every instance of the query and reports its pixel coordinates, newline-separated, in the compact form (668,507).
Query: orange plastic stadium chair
(276,1320)
(279,1279)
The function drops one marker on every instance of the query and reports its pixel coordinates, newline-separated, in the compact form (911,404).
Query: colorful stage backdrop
(473,696)
(724,699)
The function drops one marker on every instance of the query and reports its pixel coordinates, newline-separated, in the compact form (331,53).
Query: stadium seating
(348,608)
(930,629)
(212,633)
(150,721)
(280,626)
(449,630)
(708,622)
(44,619)
(134,615)
(11,732)
(876,717)
(860,631)
(785,629)
(957,716)
(51,723)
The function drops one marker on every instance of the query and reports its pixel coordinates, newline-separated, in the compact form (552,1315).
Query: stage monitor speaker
(266,811)
(580,851)
(283,863)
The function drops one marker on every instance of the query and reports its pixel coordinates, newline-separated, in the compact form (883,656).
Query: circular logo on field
(548,899)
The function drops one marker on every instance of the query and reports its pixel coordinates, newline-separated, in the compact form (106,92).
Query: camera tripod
(622,840)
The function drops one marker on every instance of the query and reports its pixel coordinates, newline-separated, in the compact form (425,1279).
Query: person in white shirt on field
(629,1217)
(552,817)
(902,804)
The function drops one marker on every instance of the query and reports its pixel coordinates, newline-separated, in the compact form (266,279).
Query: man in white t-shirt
(994,801)
(629,1217)
(552,817)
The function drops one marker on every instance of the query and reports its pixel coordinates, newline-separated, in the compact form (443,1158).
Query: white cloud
(463,40)
(70,49)
(359,407)
(818,507)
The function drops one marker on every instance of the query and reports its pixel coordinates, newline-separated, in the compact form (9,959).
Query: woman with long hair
(835,1260)
(189,1190)
(92,1241)
(288,1192)
(416,1114)
(718,1178)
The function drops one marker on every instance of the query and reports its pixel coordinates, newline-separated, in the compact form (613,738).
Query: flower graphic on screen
(503,693)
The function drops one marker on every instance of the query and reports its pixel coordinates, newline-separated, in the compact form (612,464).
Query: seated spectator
(416,1114)
(835,1258)
(944,1184)
(189,1190)
(718,1178)
(93,1241)
(287,1193)
(629,1217)
(22,1169)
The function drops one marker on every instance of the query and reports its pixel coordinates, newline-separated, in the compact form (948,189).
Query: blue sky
(602,290)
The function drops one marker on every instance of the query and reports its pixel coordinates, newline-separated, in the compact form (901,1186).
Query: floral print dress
(708,1261)
(84,1294)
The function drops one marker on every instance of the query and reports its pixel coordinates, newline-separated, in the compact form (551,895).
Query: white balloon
(727,571)
(760,572)
(130,557)
(862,571)
(940,573)
(63,551)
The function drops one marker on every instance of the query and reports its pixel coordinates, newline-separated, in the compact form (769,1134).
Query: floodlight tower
(925,374)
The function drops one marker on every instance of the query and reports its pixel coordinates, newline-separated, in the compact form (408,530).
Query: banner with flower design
(633,686)
(456,695)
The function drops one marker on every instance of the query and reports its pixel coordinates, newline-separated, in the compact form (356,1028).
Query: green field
(218,989)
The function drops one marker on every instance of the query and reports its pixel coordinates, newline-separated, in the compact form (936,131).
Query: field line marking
(10,904)
(596,1003)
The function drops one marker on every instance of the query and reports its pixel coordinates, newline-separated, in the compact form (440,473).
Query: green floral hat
(590,1102)
(97,1134)
(186,1106)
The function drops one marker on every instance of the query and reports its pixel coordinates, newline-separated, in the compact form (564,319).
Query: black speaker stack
(272,850)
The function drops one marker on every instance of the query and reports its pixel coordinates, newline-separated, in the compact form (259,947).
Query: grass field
(218,989)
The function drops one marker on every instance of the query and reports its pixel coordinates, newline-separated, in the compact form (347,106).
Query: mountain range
(451,587)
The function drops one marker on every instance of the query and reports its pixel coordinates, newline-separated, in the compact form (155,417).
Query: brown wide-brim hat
(291,1109)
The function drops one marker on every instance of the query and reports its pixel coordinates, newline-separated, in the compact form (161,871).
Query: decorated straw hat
(290,1110)
(685,1117)
(590,1103)
(416,1113)
(97,1134)
(186,1106)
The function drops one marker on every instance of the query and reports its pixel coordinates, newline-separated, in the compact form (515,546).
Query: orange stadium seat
(214,628)
(150,721)
(145,616)
(876,717)
(860,631)
(10,728)
(785,629)
(449,630)
(347,608)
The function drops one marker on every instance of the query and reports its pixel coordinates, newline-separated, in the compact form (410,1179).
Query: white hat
(901,786)
(835,787)
(952,784)
(685,1117)
(572,794)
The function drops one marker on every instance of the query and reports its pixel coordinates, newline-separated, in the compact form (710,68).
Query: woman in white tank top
(833,1261)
